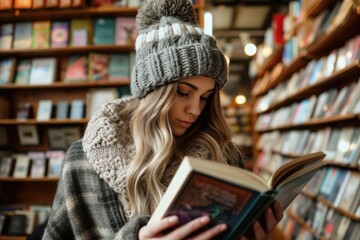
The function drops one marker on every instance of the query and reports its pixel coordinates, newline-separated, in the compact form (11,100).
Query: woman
(114,178)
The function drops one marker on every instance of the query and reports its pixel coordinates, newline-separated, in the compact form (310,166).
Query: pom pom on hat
(171,46)
(153,10)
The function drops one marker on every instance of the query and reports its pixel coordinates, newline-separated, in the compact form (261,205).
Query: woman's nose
(194,108)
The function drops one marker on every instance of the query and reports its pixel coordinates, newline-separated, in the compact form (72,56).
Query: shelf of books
(59,61)
(308,101)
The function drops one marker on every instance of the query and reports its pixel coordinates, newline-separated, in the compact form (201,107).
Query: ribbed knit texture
(171,46)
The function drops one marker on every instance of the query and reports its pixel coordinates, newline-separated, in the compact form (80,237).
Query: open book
(232,195)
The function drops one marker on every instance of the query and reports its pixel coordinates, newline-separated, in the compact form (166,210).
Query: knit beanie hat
(171,45)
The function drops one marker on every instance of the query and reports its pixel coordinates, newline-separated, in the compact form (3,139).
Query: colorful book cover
(7,69)
(22,4)
(125,31)
(41,34)
(119,67)
(60,34)
(23,35)
(42,71)
(6,4)
(99,67)
(56,159)
(37,4)
(104,31)
(23,71)
(6,35)
(77,69)
(81,32)
(38,164)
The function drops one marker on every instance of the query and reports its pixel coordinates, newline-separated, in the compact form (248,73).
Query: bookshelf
(28,191)
(297,110)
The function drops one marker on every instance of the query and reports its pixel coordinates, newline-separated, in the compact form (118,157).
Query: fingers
(155,229)
(278,213)
(190,227)
(258,231)
(212,232)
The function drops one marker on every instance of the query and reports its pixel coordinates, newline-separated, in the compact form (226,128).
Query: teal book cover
(119,67)
(104,31)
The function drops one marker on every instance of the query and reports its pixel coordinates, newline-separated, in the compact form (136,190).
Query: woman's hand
(271,217)
(154,230)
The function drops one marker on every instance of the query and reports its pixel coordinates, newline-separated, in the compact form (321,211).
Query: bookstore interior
(293,89)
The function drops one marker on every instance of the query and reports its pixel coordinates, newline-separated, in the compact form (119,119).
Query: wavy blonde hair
(156,147)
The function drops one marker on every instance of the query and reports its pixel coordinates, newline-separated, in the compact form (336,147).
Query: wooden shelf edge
(4,237)
(36,122)
(28,179)
(58,85)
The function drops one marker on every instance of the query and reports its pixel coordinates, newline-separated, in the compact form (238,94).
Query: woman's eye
(204,98)
(182,93)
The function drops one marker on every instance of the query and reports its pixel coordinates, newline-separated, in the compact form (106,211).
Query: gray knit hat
(171,46)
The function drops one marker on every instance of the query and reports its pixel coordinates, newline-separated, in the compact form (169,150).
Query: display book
(230,194)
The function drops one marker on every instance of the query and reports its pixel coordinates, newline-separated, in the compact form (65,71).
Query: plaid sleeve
(85,207)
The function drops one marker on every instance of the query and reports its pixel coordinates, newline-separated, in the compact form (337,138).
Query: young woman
(114,178)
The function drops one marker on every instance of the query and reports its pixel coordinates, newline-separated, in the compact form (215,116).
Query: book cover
(60,34)
(7,70)
(119,67)
(98,67)
(22,73)
(22,165)
(22,35)
(56,159)
(6,4)
(51,3)
(125,31)
(81,32)
(42,71)
(17,225)
(22,4)
(6,35)
(56,138)
(24,111)
(37,4)
(28,135)
(5,166)
(104,31)
(44,111)
(38,164)
(62,110)
(71,134)
(41,34)
(351,193)
(77,69)
(77,109)
(232,195)
(78,3)
(65,3)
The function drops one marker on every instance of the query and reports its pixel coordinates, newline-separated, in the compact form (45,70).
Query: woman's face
(192,94)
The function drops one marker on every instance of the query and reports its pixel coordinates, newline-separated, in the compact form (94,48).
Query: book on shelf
(17,225)
(96,97)
(77,69)
(62,110)
(6,166)
(78,3)
(56,138)
(22,73)
(22,35)
(7,70)
(22,166)
(38,164)
(71,135)
(6,5)
(44,112)
(125,31)
(351,193)
(98,67)
(230,194)
(3,136)
(42,71)
(65,3)
(41,34)
(30,220)
(59,34)
(28,135)
(51,3)
(24,111)
(119,67)
(80,32)
(22,4)
(6,35)
(37,4)
(56,159)
(77,109)
(5,107)
(104,31)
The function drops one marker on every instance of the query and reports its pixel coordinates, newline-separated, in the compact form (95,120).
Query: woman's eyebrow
(195,87)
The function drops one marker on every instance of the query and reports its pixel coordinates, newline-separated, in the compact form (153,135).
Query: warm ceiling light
(240,99)
(250,49)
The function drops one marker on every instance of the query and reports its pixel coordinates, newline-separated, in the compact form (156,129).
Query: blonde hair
(155,145)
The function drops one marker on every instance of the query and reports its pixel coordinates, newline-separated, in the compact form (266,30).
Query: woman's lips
(185,124)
